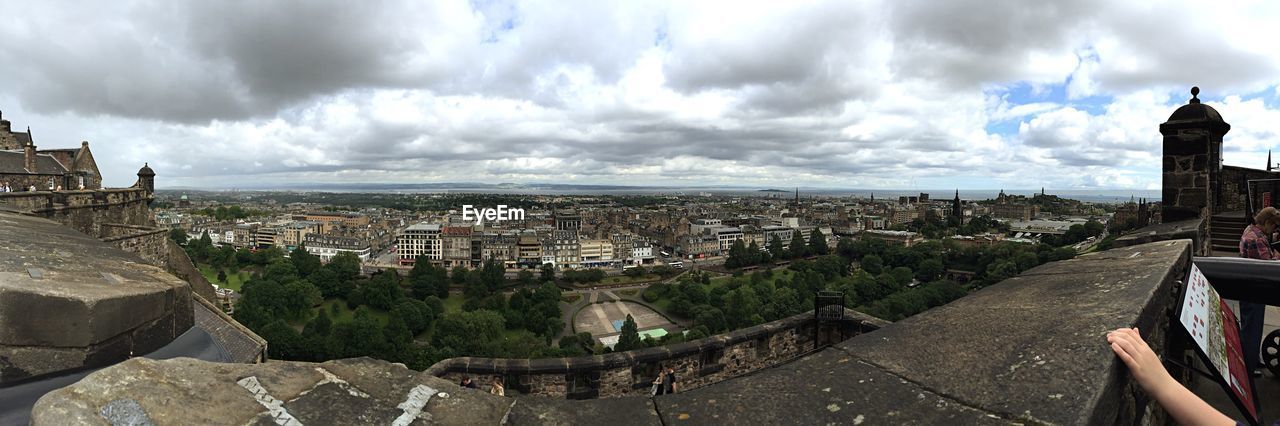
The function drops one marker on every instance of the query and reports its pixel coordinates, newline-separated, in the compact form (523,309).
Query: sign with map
(1214,328)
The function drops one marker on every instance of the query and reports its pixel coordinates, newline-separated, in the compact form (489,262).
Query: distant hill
(772,190)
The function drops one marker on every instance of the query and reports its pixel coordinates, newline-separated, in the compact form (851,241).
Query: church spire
(1268,160)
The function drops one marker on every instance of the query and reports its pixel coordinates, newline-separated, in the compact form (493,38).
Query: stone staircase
(1225,233)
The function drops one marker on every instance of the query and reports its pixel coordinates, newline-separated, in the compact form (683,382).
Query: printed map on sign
(1215,330)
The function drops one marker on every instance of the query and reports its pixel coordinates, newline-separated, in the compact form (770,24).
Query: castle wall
(178,263)
(85,210)
(697,364)
(1234,189)
(148,242)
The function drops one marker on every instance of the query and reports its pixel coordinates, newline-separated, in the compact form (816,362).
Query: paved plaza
(605,319)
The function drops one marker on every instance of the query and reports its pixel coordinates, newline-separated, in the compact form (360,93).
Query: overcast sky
(843,94)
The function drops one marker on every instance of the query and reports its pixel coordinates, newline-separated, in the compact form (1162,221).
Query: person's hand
(1182,405)
(1143,363)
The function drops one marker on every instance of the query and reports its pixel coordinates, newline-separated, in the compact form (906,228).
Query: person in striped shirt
(1255,243)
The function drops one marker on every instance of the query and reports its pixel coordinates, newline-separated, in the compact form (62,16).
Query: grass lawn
(346,314)
(453,303)
(571,298)
(234,281)
(509,334)
(629,292)
(777,274)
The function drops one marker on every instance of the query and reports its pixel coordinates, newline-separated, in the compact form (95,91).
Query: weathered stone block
(1193,197)
(83,295)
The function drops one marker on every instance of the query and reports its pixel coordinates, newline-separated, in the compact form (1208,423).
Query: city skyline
(870,95)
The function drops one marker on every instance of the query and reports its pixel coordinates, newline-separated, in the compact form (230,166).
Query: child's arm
(1146,368)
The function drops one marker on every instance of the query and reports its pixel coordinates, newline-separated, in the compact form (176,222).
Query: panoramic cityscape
(494,212)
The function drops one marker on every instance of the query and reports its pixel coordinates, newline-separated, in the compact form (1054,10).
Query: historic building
(22,166)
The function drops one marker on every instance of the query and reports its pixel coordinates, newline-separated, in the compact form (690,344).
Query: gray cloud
(213,93)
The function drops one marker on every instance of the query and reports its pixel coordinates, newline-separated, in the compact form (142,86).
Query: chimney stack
(29,154)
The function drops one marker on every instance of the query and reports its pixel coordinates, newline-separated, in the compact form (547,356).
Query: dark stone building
(22,166)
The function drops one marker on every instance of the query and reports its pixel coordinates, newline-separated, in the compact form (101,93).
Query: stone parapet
(1195,230)
(697,363)
(85,210)
(147,242)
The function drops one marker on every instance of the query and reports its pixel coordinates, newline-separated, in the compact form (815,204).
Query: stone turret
(1192,160)
(146,179)
(5,126)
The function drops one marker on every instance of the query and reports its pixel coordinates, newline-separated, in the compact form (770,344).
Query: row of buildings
(325,234)
(555,239)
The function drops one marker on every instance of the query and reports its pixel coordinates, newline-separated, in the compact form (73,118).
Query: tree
(416,313)
(930,269)
(740,305)
(492,275)
(321,324)
(798,247)
(775,248)
(630,337)
(222,275)
(362,336)
(458,275)
(382,291)
(737,255)
(547,272)
(754,255)
(902,275)
(525,277)
(873,264)
(474,333)
(327,282)
(283,342)
(305,262)
(178,235)
(427,279)
(346,265)
(635,272)
(818,243)
(711,318)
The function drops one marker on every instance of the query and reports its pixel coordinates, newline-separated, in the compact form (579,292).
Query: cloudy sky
(844,94)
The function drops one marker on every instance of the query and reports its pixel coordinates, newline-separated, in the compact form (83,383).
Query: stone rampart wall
(1234,190)
(85,210)
(149,243)
(178,263)
(697,363)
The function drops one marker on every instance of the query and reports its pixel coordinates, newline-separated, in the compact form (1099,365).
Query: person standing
(669,381)
(496,387)
(1255,243)
(467,382)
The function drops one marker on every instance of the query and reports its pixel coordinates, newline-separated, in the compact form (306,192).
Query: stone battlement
(698,363)
(84,210)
